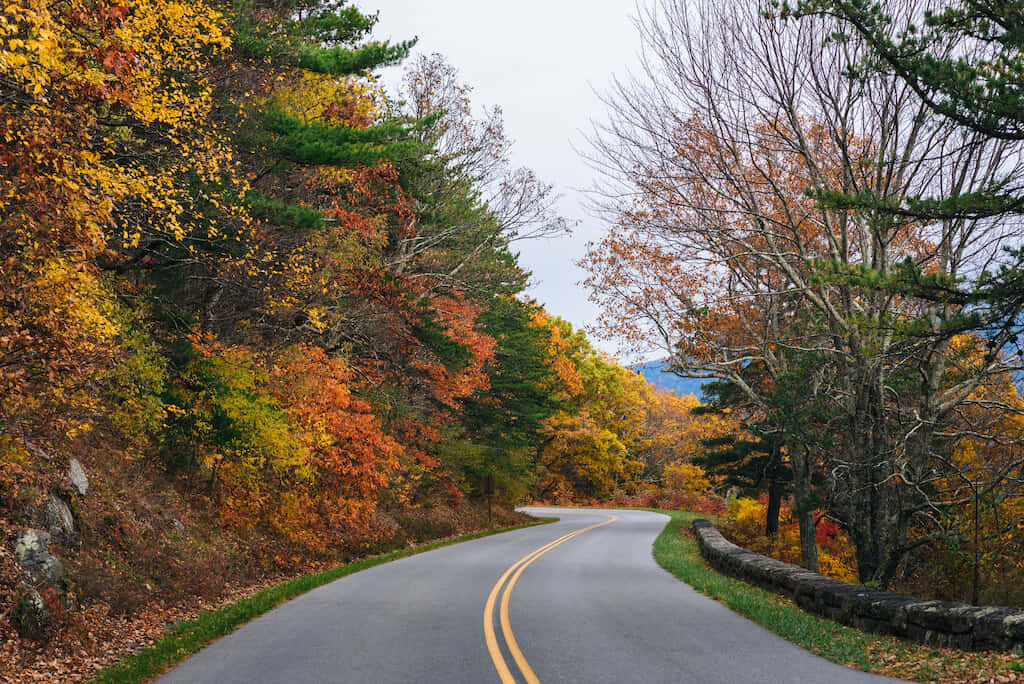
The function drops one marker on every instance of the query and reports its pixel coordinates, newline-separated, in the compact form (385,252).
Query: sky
(544,63)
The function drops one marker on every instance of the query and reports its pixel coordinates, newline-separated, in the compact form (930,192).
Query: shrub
(745,525)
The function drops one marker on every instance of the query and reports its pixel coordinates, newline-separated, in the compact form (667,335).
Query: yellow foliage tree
(104,137)
(685,477)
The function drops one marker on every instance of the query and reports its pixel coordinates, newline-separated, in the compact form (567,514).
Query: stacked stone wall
(938,623)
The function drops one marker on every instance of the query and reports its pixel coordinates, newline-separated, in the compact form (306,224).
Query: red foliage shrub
(709,505)
(745,526)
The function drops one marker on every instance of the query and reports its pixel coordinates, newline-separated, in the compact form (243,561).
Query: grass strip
(189,636)
(679,554)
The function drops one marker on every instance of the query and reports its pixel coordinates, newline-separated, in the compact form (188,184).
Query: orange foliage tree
(350,457)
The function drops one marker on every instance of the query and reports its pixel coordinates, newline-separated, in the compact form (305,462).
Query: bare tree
(730,166)
(470,160)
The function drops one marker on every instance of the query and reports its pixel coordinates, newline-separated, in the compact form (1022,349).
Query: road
(580,600)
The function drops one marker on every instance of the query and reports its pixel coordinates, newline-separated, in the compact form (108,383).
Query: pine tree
(753,465)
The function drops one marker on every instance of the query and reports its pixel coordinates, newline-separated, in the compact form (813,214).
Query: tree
(964,61)
(102,125)
(474,153)
(724,256)
(752,460)
(351,458)
(523,389)
(594,442)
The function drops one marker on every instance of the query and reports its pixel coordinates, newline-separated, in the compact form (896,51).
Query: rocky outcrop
(32,549)
(31,616)
(55,517)
(937,623)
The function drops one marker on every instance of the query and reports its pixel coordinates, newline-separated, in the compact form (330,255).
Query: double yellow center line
(506,628)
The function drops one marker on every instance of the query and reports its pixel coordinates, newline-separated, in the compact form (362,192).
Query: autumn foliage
(765,199)
(277,315)
(274,314)
(745,524)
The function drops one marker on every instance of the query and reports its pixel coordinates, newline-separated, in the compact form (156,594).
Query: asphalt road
(580,600)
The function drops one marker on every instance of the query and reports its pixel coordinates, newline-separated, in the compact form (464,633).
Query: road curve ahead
(580,600)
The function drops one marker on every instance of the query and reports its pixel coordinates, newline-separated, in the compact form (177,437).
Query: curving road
(580,600)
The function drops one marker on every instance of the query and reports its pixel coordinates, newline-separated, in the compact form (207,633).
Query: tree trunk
(804,496)
(771,523)
(808,538)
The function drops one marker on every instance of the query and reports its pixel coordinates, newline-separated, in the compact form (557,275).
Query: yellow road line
(506,627)
(489,636)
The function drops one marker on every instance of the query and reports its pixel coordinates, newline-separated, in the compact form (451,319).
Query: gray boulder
(55,517)
(32,549)
(77,476)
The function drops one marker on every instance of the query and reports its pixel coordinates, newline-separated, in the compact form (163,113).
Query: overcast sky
(541,61)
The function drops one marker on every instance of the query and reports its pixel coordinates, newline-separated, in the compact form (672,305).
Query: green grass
(188,637)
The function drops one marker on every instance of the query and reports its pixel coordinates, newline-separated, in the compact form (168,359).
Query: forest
(261,316)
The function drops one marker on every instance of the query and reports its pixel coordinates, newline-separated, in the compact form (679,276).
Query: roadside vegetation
(676,550)
(260,316)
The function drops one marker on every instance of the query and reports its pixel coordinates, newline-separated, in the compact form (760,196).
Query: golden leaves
(29,43)
(103,137)
(312,97)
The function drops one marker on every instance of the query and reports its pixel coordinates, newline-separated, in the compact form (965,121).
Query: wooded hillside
(258,315)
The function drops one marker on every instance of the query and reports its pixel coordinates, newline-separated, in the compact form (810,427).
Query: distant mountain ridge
(657,373)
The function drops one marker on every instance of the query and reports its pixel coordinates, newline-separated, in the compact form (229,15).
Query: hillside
(657,373)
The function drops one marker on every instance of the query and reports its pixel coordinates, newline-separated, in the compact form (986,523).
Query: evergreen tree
(523,385)
(966,64)
(753,465)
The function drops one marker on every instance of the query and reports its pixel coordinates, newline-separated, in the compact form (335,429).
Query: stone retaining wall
(937,623)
